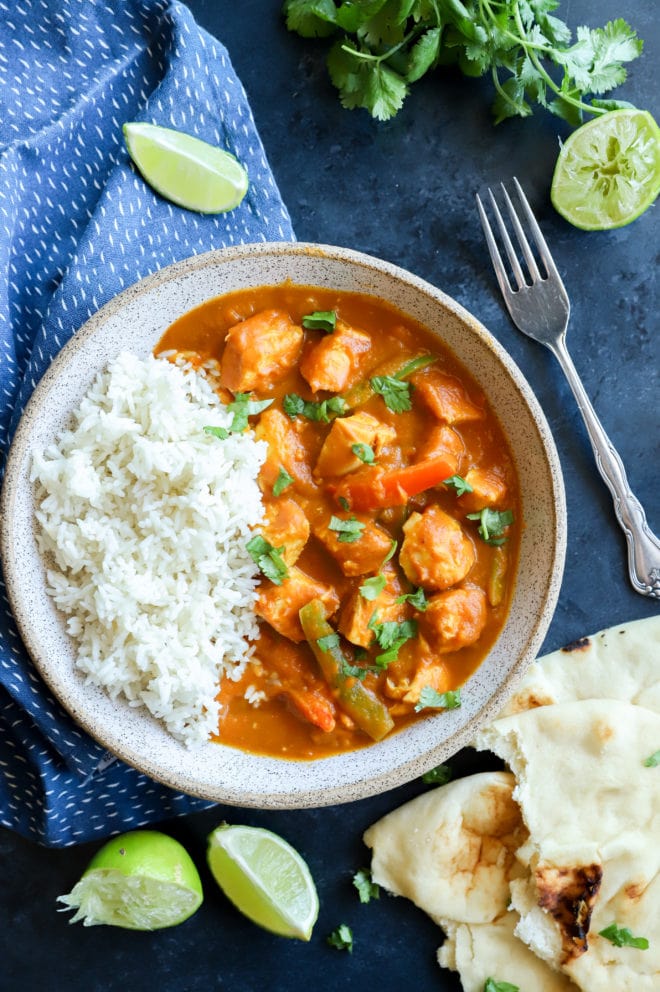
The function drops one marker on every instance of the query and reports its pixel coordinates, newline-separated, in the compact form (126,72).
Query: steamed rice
(144,519)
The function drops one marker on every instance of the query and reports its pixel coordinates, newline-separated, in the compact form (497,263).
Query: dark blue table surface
(404,191)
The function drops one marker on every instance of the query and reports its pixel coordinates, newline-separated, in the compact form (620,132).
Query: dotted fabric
(77,225)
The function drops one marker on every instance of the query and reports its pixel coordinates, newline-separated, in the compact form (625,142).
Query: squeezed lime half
(265,878)
(608,171)
(189,172)
(141,880)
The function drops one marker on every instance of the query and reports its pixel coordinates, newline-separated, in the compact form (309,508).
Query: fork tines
(537,237)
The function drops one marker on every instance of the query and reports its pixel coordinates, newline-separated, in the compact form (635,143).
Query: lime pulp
(608,171)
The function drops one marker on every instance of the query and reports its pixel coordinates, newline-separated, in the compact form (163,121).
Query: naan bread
(478,951)
(451,850)
(592,809)
(618,663)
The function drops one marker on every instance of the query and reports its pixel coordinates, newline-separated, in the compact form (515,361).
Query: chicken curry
(389,542)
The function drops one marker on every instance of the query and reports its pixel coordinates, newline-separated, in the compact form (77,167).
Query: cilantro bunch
(381,47)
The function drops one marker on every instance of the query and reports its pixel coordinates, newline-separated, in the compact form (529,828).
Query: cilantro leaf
(243,407)
(320,320)
(364,452)
(322,411)
(282,482)
(622,937)
(391,636)
(492,524)
(354,671)
(459,484)
(302,17)
(430,699)
(653,760)
(268,558)
(372,588)
(492,985)
(439,775)
(395,393)
(328,642)
(423,54)
(365,885)
(342,938)
(417,599)
(347,531)
(219,432)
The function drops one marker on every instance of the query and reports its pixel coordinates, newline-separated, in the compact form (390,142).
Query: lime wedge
(608,171)
(143,880)
(185,170)
(265,878)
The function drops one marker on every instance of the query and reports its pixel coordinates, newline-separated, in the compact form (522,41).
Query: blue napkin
(77,225)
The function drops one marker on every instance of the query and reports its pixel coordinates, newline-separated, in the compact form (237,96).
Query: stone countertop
(404,191)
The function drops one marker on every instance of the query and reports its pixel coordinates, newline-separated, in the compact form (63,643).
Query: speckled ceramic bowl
(136,319)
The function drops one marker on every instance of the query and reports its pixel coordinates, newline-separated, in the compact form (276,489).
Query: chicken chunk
(260,351)
(285,525)
(286,449)
(337,456)
(405,682)
(443,442)
(454,619)
(358,611)
(279,605)
(361,556)
(445,397)
(332,362)
(435,553)
(488,489)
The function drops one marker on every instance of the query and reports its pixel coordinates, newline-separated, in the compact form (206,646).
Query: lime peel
(608,171)
(186,170)
(265,878)
(142,880)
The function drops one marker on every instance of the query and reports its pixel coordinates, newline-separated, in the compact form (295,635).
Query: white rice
(144,519)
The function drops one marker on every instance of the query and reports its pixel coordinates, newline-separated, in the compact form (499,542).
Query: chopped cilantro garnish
(458,483)
(395,392)
(439,775)
(372,588)
(391,636)
(365,885)
(347,530)
(328,642)
(320,320)
(220,432)
(653,760)
(243,407)
(323,411)
(354,671)
(282,481)
(622,937)
(343,502)
(492,524)
(364,452)
(494,986)
(430,699)
(342,938)
(417,599)
(268,558)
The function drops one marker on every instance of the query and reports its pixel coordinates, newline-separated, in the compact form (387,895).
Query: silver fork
(541,310)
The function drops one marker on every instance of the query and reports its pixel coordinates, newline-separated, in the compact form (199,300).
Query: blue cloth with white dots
(77,225)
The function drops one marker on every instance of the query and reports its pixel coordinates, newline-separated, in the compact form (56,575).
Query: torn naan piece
(592,809)
(478,951)
(450,851)
(618,663)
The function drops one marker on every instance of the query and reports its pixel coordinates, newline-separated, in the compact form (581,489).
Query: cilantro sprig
(439,775)
(492,985)
(242,407)
(341,938)
(269,559)
(320,320)
(381,47)
(623,937)
(492,524)
(322,411)
(366,887)
(347,531)
(431,699)
(391,635)
(282,482)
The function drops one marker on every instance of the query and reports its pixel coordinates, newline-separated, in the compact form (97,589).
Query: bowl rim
(407,769)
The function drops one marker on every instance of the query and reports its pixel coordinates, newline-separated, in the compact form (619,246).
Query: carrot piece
(374,489)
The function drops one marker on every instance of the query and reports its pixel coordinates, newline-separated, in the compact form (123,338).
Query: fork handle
(643,545)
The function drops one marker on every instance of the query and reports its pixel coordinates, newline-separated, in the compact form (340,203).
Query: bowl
(136,319)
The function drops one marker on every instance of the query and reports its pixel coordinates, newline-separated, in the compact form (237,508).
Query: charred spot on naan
(569,895)
(582,644)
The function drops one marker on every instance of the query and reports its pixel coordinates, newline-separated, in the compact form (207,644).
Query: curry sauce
(392,515)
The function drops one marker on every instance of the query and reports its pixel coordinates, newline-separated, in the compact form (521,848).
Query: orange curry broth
(276,726)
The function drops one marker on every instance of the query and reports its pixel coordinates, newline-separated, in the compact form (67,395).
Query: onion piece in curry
(392,515)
